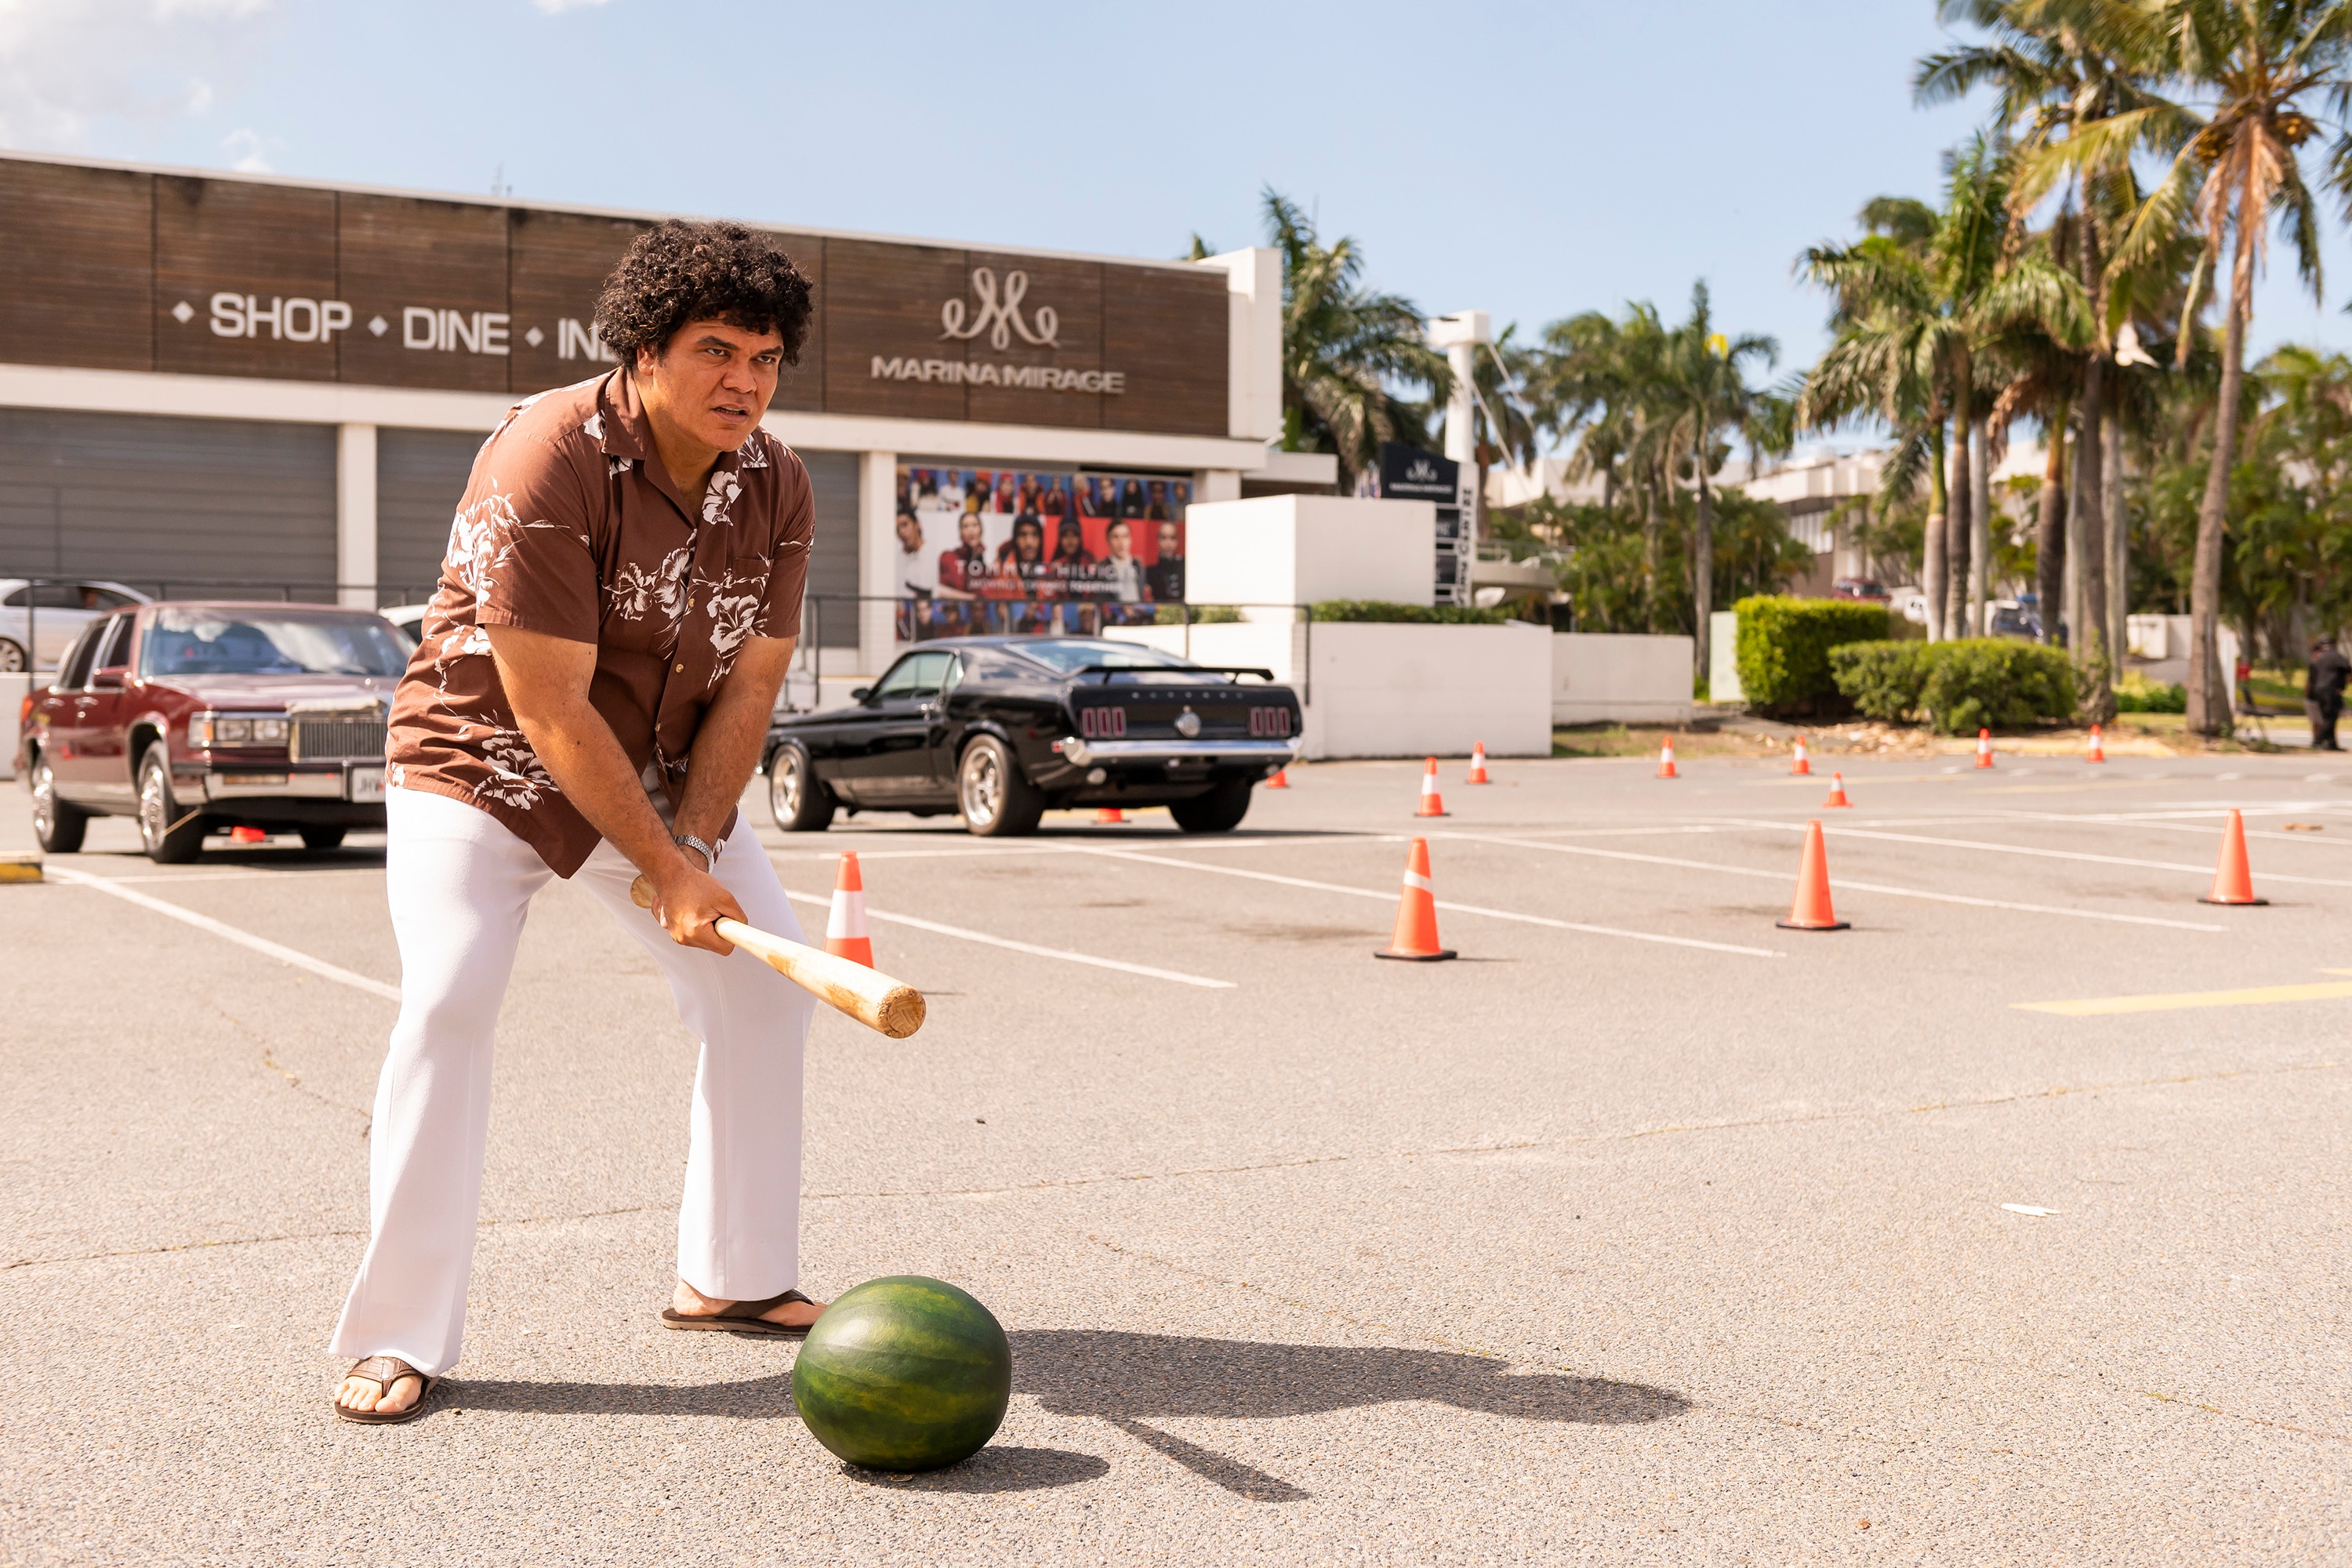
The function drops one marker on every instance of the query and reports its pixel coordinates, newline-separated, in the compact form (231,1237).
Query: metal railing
(31,583)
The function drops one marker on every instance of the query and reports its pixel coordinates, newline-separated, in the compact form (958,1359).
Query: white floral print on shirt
(518,778)
(719,498)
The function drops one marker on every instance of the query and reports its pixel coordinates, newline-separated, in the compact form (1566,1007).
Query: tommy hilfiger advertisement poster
(1053,542)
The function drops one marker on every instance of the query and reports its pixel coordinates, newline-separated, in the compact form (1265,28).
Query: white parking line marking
(2209,832)
(2042,854)
(1029,947)
(1443,903)
(260,944)
(1836,882)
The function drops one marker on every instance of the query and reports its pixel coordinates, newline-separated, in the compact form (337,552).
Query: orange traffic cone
(1667,760)
(1984,748)
(1416,922)
(1111,814)
(1431,803)
(1812,911)
(247,836)
(1837,791)
(1478,764)
(1281,779)
(1803,764)
(844,926)
(2233,882)
(2098,753)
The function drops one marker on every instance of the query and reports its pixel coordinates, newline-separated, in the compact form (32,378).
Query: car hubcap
(45,802)
(982,787)
(12,658)
(154,807)
(788,785)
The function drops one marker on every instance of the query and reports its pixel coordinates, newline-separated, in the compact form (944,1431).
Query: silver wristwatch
(689,841)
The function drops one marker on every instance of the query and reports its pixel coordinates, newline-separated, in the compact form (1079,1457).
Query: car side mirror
(109,679)
(860,693)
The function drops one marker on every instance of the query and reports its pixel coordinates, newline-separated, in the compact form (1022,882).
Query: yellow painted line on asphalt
(1065,954)
(260,944)
(1390,895)
(2172,1001)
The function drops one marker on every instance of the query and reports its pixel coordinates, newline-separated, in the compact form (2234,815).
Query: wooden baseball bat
(868,995)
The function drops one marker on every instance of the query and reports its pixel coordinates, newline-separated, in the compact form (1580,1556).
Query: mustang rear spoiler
(1264,675)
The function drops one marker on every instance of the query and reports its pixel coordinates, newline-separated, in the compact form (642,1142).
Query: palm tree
(1349,355)
(2257,62)
(1592,382)
(2069,78)
(1503,426)
(1702,397)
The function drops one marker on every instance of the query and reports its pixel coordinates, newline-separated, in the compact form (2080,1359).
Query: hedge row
(1973,683)
(1783,646)
(1421,614)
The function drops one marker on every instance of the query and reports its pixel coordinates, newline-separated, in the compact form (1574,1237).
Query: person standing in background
(2323,692)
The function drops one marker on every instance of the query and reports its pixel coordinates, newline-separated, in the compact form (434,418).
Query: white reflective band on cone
(847,919)
(1415,880)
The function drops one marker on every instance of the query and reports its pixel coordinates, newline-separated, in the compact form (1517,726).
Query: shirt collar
(623,431)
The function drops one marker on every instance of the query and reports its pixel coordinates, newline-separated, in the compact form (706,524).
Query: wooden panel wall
(102,259)
(83,235)
(401,254)
(1168,332)
(224,237)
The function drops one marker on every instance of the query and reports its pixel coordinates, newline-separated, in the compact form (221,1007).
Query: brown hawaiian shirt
(571,526)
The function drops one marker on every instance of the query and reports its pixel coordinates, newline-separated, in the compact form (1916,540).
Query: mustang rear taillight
(1274,721)
(1102,723)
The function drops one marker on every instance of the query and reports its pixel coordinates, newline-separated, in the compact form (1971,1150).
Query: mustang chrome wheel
(982,792)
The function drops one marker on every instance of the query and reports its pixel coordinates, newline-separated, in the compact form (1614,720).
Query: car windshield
(269,642)
(1070,655)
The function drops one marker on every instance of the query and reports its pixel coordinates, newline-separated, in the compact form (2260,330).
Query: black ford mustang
(1002,729)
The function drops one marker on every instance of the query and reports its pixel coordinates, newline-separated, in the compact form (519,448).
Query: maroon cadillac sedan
(201,717)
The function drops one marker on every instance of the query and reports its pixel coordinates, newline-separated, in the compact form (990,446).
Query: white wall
(1723,657)
(12,689)
(1298,550)
(1601,676)
(1384,689)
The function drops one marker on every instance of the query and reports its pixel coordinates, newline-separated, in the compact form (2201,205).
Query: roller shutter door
(832,568)
(420,476)
(188,507)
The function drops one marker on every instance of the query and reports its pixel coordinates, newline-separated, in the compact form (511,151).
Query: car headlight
(269,732)
(233,731)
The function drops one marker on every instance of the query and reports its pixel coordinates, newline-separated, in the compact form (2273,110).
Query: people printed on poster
(1010,550)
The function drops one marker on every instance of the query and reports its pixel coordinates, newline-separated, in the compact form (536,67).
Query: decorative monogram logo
(999,319)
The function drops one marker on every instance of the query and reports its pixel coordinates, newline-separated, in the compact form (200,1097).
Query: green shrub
(2138,694)
(1884,679)
(1418,614)
(1196,615)
(1783,646)
(1970,684)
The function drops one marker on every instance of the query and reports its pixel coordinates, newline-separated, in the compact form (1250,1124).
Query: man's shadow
(1124,1378)
(1127,1379)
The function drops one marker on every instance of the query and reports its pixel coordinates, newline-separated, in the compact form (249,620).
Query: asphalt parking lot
(1646,1232)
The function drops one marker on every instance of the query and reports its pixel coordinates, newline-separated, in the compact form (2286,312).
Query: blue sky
(1534,160)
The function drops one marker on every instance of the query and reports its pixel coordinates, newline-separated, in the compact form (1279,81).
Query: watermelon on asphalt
(904,1373)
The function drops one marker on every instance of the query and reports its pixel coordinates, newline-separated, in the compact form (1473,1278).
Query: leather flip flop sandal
(741,1318)
(383,1371)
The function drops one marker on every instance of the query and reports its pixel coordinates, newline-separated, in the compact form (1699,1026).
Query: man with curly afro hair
(615,612)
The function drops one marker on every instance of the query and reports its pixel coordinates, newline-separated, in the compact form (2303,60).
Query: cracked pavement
(1580,1249)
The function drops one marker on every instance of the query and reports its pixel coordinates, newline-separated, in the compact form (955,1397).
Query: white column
(1216,484)
(355,514)
(877,551)
(1459,335)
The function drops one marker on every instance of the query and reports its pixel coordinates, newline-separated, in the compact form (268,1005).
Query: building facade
(211,381)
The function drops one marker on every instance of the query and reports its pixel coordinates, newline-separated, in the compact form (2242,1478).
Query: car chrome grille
(337,740)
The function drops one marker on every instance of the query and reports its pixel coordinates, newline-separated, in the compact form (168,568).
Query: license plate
(367,785)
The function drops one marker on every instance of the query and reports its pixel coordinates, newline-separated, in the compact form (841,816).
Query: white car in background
(408,620)
(39,619)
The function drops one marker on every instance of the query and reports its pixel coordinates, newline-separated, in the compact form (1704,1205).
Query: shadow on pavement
(995,1469)
(1098,1371)
(755,1399)
(1122,1378)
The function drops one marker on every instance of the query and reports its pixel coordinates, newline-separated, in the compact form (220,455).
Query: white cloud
(556,7)
(243,148)
(67,66)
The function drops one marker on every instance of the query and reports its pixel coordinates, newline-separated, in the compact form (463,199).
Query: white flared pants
(460,885)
